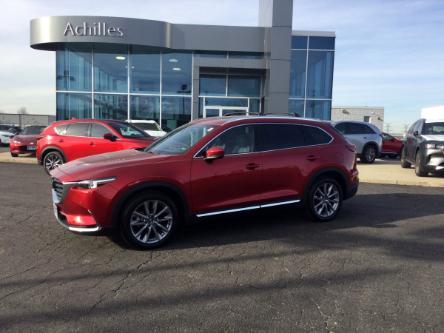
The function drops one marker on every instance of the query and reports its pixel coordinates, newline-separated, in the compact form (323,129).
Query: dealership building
(125,68)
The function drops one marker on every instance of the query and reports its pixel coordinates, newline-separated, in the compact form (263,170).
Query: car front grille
(58,188)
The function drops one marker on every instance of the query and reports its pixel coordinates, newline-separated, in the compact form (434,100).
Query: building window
(145,108)
(111,106)
(73,106)
(73,69)
(212,85)
(239,85)
(299,42)
(176,111)
(176,73)
(320,74)
(297,73)
(110,69)
(322,43)
(296,107)
(145,71)
(318,109)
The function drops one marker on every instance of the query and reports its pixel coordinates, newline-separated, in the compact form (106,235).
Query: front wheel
(52,160)
(324,200)
(14,155)
(419,168)
(149,220)
(369,154)
(404,163)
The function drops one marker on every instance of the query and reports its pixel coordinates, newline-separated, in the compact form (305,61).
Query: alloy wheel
(52,161)
(370,154)
(326,199)
(151,221)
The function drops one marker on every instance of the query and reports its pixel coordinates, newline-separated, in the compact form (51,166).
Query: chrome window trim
(265,151)
(234,210)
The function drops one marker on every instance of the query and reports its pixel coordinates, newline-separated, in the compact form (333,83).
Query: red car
(208,167)
(25,142)
(391,146)
(68,140)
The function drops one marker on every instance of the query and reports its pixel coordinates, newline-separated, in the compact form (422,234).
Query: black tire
(404,163)
(369,154)
(419,168)
(146,232)
(52,160)
(14,155)
(315,197)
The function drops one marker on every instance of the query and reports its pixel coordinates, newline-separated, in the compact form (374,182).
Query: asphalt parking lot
(377,268)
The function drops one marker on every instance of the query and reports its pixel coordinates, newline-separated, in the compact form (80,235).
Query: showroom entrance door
(220,111)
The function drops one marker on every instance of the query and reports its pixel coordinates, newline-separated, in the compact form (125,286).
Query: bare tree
(22,110)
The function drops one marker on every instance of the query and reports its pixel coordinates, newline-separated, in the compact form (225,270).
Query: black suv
(424,147)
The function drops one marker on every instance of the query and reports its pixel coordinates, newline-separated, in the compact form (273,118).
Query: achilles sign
(98,29)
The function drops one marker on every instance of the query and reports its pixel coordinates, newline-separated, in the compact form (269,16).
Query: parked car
(391,146)
(25,142)
(7,132)
(424,147)
(208,167)
(149,126)
(365,136)
(68,140)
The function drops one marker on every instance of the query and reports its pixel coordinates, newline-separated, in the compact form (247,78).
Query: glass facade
(133,82)
(311,76)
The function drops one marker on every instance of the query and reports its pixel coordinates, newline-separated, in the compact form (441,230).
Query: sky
(389,53)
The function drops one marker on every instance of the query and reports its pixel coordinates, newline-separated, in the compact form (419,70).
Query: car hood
(434,137)
(26,139)
(104,165)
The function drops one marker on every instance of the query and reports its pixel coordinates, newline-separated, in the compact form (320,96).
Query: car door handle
(312,158)
(61,140)
(252,166)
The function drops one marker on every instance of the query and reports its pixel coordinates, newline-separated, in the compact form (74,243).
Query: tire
(52,160)
(369,154)
(419,168)
(404,163)
(149,220)
(14,155)
(321,206)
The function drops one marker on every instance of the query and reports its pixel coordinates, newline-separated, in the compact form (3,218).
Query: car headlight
(15,142)
(92,183)
(435,145)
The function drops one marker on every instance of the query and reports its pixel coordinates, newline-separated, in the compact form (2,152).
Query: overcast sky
(388,52)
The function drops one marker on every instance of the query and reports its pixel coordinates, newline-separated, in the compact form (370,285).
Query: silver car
(365,136)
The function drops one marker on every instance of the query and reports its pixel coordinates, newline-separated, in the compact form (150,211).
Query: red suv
(69,140)
(208,167)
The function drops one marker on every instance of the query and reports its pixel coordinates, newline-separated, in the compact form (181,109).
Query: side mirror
(110,137)
(213,153)
(415,133)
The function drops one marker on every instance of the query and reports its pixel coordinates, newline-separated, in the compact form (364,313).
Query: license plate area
(30,148)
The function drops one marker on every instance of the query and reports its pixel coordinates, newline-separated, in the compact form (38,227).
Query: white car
(6,132)
(148,126)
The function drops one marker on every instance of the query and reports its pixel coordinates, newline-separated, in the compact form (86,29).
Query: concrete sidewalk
(390,172)
(7,158)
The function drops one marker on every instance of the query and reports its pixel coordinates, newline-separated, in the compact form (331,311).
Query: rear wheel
(404,163)
(52,160)
(324,200)
(14,155)
(149,220)
(419,167)
(369,154)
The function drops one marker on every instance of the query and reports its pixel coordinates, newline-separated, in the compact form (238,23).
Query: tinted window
(33,130)
(353,128)
(386,137)
(315,136)
(322,43)
(278,136)
(98,131)
(127,130)
(433,128)
(237,140)
(299,42)
(341,127)
(80,129)
(60,130)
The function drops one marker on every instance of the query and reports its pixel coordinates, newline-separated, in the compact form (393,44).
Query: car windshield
(433,128)
(128,131)
(148,126)
(33,130)
(181,139)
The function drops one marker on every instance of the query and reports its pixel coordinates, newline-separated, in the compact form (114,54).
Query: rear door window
(278,136)
(353,128)
(78,129)
(315,136)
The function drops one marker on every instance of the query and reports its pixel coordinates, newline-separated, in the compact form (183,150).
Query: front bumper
(21,149)
(433,159)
